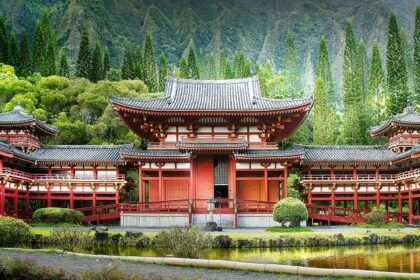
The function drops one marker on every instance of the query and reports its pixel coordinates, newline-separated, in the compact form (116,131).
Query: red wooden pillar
(378,195)
(72,176)
(2,191)
(16,200)
(266,183)
(355,201)
(410,203)
(160,184)
(117,197)
(27,214)
(232,183)
(140,182)
(285,175)
(94,197)
(191,192)
(399,204)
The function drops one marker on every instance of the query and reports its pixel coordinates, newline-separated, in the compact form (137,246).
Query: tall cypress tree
(416,58)
(363,65)
(228,70)
(308,75)
(49,63)
(25,67)
(291,69)
(183,68)
(212,67)
(138,63)
(323,70)
(351,129)
(83,58)
(96,72)
(397,76)
(64,66)
(3,42)
(163,71)
(38,49)
(202,64)
(192,65)
(13,55)
(149,65)
(222,62)
(106,65)
(323,116)
(377,89)
(127,69)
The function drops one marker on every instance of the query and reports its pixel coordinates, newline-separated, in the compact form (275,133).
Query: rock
(116,238)
(212,226)
(244,243)
(101,237)
(339,240)
(143,242)
(223,241)
(132,234)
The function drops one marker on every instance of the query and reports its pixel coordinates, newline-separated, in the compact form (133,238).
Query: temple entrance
(221,190)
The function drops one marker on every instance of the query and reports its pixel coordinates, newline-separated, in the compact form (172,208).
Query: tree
(416,58)
(95,71)
(377,89)
(64,66)
(363,65)
(13,55)
(212,67)
(138,63)
(83,57)
(163,72)
(202,65)
(192,65)
(183,68)
(24,68)
(397,75)
(49,63)
(106,65)
(38,49)
(290,210)
(228,70)
(149,70)
(3,42)
(291,69)
(127,69)
(351,129)
(323,116)
(323,70)
(222,63)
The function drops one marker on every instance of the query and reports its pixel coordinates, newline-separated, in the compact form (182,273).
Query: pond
(397,258)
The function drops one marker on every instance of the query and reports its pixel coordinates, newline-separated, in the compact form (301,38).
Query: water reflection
(398,258)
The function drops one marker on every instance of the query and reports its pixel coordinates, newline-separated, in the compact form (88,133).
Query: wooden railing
(29,176)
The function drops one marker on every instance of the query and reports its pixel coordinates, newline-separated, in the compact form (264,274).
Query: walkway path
(79,264)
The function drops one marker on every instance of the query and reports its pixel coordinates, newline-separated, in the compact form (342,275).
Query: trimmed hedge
(290,210)
(13,231)
(56,215)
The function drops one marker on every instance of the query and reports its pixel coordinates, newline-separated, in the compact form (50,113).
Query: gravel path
(79,264)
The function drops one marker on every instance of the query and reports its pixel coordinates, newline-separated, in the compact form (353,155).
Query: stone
(132,234)
(223,241)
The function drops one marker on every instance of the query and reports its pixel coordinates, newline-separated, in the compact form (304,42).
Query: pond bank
(197,268)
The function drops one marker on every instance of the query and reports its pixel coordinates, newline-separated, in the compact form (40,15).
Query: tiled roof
(211,144)
(270,153)
(16,152)
(409,117)
(18,116)
(164,155)
(343,153)
(212,95)
(414,150)
(80,153)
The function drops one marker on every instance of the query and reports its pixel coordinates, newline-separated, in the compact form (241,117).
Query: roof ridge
(108,146)
(340,146)
(207,81)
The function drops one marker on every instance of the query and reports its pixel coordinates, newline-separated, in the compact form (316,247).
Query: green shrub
(68,238)
(377,215)
(184,242)
(288,229)
(29,269)
(290,210)
(13,231)
(55,215)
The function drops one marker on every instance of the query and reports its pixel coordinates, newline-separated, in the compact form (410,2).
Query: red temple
(212,156)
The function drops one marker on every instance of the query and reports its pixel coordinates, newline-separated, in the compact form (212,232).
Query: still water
(397,258)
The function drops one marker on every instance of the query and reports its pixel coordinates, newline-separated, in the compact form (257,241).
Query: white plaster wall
(153,220)
(256,220)
(223,220)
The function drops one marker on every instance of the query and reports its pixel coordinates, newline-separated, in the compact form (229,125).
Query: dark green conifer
(138,63)
(149,65)
(212,67)
(183,68)
(192,65)
(96,72)
(397,75)
(3,42)
(25,66)
(127,69)
(49,66)
(39,50)
(416,58)
(163,71)
(64,66)
(323,70)
(222,62)
(202,65)
(106,65)
(228,70)
(83,57)
(13,55)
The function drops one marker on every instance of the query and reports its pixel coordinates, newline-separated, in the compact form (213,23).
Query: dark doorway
(221,191)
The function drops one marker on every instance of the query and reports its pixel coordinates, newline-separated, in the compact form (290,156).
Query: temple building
(212,155)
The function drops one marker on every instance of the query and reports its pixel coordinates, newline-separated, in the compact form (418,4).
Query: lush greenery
(379,225)
(353,88)
(184,242)
(290,210)
(376,215)
(55,215)
(13,232)
(289,229)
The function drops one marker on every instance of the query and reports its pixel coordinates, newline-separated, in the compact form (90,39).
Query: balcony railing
(24,141)
(45,177)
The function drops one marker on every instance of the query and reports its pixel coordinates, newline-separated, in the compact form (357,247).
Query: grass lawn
(379,225)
